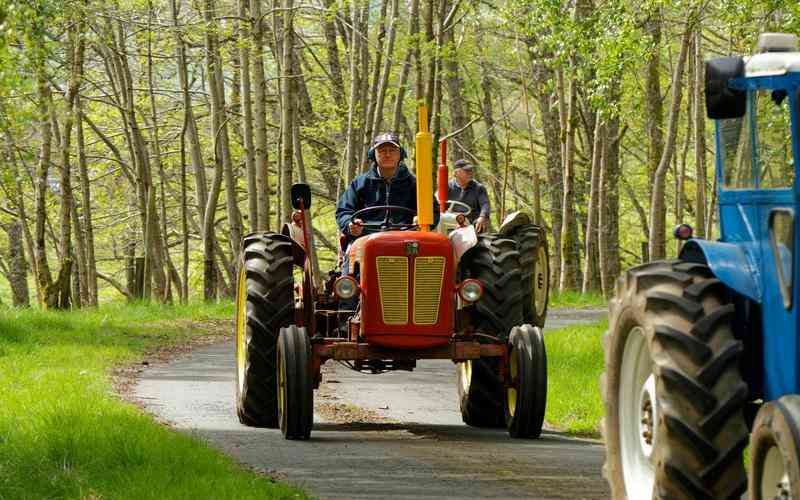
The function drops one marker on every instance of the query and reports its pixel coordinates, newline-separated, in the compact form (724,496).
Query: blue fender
(729,262)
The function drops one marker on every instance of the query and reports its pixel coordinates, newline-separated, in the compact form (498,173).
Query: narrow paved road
(395,436)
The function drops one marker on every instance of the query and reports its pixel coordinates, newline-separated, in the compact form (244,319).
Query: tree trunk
(569,257)
(44,279)
(288,97)
(491,138)
(411,51)
(549,116)
(700,136)
(457,100)
(18,266)
(247,114)
(261,153)
(377,119)
(680,175)
(537,196)
(352,127)
(591,213)
(219,120)
(654,115)
(656,248)
(370,103)
(86,204)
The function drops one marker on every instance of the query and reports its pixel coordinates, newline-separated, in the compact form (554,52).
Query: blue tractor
(703,353)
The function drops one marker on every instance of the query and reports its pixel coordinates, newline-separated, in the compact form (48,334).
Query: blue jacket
(370,189)
(474,195)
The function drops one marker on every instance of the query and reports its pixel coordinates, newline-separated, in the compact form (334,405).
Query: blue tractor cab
(702,353)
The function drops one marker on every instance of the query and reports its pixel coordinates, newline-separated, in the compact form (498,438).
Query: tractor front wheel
(264,304)
(672,389)
(295,387)
(526,394)
(774,448)
(494,261)
(480,393)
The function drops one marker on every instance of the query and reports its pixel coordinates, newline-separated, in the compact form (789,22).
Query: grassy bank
(574,365)
(65,434)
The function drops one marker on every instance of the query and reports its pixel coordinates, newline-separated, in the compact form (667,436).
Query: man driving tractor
(387,182)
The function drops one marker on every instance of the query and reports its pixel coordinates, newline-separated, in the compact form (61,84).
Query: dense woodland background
(140,139)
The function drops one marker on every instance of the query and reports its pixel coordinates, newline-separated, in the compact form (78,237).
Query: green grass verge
(575,299)
(65,434)
(574,365)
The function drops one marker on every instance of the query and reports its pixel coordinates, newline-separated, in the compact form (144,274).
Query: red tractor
(479,301)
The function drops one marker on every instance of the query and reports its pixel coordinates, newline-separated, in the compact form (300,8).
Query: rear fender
(732,264)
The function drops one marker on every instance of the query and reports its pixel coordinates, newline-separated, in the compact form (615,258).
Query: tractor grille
(393,284)
(428,273)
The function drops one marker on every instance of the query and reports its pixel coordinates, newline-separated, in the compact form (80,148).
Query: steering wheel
(451,203)
(386,224)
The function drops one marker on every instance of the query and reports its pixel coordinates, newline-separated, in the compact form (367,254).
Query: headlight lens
(471,290)
(345,287)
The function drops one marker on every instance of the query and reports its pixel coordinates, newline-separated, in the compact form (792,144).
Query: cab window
(773,140)
(757,149)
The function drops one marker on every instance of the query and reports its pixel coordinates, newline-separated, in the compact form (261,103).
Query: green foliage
(63,432)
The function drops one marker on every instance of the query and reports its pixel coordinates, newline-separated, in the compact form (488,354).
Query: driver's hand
(355,228)
(480,224)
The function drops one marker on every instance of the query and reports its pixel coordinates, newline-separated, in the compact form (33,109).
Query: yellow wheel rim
(466,375)
(511,394)
(281,385)
(540,277)
(241,338)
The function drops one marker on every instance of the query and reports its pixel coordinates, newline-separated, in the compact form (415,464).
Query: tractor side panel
(408,293)
(744,261)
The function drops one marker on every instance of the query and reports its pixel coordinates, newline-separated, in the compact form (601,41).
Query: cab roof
(772,64)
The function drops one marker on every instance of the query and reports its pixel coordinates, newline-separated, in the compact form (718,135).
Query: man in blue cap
(464,188)
(387,182)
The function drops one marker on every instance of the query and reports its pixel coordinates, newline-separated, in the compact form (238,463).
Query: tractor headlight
(345,287)
(470,290)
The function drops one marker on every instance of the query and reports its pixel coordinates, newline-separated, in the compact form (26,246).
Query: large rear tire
(526,395)
(774,448)
(534,263)
(672,389)
(494,261)
(295,387)
(264,304)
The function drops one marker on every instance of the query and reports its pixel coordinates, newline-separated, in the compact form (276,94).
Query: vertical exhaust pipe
(424,153)
(441,176)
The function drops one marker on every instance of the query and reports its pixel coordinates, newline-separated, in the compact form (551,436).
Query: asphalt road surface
(390,436)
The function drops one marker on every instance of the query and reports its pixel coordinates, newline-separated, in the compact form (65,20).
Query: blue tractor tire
(672,390)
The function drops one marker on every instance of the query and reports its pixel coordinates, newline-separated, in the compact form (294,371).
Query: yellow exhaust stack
(424,160)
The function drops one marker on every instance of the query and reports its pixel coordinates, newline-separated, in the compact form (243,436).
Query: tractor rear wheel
(264,304)
(673,393)
(535,266)
(527,393)
(295,387)
(774,448)
(495,262)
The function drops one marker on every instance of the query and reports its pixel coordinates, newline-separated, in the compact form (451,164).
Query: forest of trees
(140,139)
